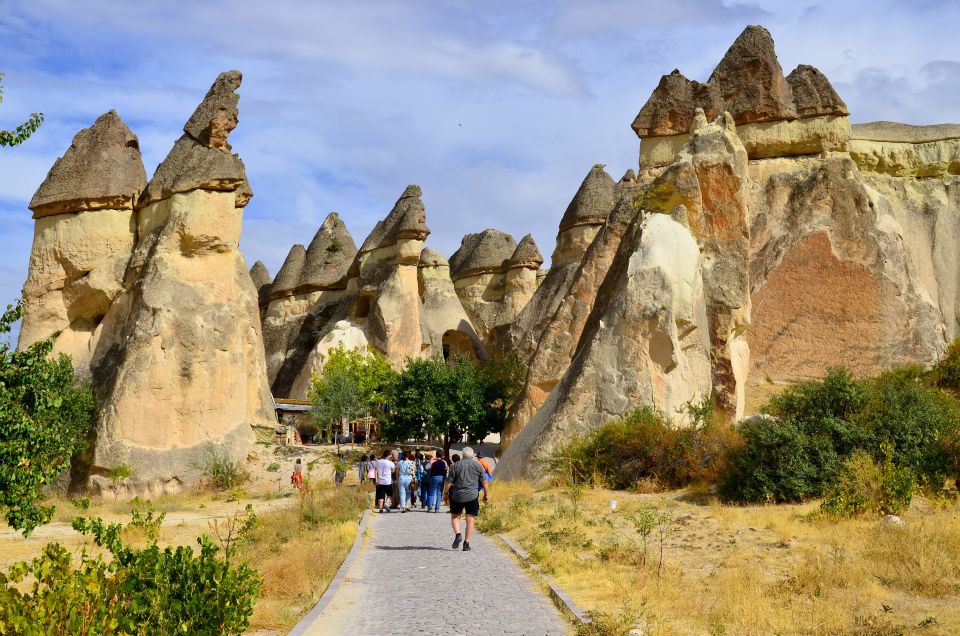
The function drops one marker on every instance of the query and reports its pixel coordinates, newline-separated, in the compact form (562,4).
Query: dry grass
(739,570)
(298,550)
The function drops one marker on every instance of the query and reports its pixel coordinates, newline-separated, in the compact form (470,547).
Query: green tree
(420,406)
(445,400)
(353,383)
(45,415)
(22,132)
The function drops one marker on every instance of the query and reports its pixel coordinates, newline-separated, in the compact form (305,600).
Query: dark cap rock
(407,220)
(260,275)
(593,201)
(430,257)
(526,255)
(102,168)
(217,115)
(288,278)
(751,82)
(813,94)
(201,158)
(748,83)
(262,281)
(328,256)
(481,253)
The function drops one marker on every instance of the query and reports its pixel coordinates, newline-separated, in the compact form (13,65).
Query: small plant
(864,486)
(274,467)
(222,472)
(233,530)
(117,475)
(146,519)
(650,521)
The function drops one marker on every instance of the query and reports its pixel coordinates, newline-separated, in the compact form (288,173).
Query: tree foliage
(438,399)
(136,591)
(45,415)
(353,383)
(23,131)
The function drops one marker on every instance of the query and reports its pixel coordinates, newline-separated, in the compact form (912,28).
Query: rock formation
(179,368)
(84,236)
(392,295)
(820,244)
(775,115)
(309,285)
(761,239)
(663,326)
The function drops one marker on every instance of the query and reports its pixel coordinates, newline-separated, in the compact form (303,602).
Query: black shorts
(384,491)
(472,508)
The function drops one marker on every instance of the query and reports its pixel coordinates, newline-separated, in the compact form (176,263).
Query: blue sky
(497,109)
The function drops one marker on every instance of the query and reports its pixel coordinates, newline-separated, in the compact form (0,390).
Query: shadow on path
(408,547)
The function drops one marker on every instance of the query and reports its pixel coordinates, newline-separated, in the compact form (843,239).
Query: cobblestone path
(407,580)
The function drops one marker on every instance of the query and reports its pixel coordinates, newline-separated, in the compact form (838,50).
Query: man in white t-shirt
(385,469)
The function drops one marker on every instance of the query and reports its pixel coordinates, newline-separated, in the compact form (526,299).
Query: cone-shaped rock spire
(288,278)
(201,158)
(526,255)
(482,252)
(592,202)
(430,257)
(102,168)
(260,275)
(329,255)
(407,220)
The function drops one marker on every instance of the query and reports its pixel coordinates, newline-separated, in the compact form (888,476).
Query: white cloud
(496,109)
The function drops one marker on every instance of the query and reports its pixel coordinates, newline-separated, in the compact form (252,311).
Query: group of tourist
(404,479)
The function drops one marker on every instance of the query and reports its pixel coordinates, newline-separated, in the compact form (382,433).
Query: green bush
(45,415)
(137,591)
(814,427)
(915,418)
(946,373)
(644,446)
(867,486)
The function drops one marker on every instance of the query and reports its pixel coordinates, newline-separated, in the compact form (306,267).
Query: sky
(496,109)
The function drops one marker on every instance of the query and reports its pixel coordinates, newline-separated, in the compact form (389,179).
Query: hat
(479,453)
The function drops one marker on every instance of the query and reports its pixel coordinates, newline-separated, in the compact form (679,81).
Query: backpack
(372,471)
(411,469)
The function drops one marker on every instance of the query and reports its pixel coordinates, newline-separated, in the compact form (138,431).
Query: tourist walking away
(385,469)
(487,470)
(423,477)
(395,457)
(438,475)
(296,477)
(340,470)
(362,469)
(461,487)
(408,469)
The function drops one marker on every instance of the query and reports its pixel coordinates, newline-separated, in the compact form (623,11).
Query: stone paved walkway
(407,580)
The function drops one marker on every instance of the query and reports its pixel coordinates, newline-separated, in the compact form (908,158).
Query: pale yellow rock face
(927,212)
(899,159)
(765,139)
(344,333)
(520,284)
(657,328)
(394,322)
(181,362)
(443,319)
(76,270)
(572,244)
(482,296)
